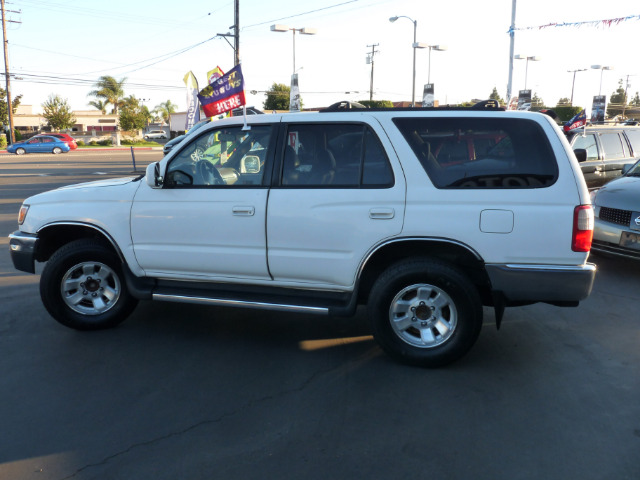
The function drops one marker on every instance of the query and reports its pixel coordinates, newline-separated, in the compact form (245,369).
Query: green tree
(110,91)
(133,115)
(564,101)
(635,101)
(496,96)
(4,113)
(617,101)
(377,103)
(58,112)
(100,105)
(277,97)
(164,110)
(537,102)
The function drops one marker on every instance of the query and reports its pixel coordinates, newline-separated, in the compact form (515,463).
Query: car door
(338,196)
(593,168)
(34,145)
(207,222)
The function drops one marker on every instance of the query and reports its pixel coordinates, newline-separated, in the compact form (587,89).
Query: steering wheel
(208,173)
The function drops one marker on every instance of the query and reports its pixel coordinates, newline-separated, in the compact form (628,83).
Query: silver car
(617,215)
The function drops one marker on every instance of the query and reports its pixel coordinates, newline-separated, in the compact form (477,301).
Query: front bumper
(23,250)
(557,284)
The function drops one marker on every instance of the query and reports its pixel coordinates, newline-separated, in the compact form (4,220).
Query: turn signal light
(22,214)
(582,228)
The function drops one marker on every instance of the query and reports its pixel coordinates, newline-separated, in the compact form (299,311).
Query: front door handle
(382,213)
(243,211)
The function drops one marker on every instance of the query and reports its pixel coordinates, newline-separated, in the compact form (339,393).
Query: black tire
(146,137)
(56,150)
(425,312)
(83,287)
(20,151)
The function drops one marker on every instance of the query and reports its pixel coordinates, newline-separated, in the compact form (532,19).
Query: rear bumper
(564,284)
(23,250)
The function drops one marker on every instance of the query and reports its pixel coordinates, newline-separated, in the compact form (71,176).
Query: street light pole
(574,82)
(533,58)
(303,31)
(602,68)
(415,28)
(437,48)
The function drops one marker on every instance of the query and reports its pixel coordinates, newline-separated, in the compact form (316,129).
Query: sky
(62,47)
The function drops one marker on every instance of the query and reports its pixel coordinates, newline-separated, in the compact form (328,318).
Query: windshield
(635,170)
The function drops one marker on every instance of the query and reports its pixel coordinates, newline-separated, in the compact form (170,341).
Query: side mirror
(581,154)
(154,179)
(250,164)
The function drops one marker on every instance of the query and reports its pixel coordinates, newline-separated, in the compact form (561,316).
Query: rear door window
(613,146)
(336,155)
(480,152)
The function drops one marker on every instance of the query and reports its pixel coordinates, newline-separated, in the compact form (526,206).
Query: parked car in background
(155,134)
(175,141)
(39,144)
(65,137)
(609,149)
(617,215)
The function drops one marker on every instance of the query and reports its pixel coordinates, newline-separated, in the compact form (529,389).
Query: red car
(66,138)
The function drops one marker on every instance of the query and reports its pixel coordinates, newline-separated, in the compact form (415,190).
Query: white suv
(423,215)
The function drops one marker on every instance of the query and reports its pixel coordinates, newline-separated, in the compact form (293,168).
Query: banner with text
(213,75)
(225,94)
(294,94)
(428,96)
(193,110)
(598,108)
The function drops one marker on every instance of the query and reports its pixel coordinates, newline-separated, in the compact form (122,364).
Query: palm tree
(165,109)
(109,90)
(100,105)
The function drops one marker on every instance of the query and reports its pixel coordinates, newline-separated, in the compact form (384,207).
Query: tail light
(582,228)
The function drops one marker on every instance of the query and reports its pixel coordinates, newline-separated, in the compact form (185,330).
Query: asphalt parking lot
(192,392)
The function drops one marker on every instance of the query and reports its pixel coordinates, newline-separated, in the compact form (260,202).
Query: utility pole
(512,33)
(370,60)
(626,87)
(236,31)
(236,34)
(6,72)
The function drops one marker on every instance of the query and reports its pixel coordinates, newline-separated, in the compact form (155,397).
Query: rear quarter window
(481,153)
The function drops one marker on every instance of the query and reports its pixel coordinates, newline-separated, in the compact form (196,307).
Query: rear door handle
(382,213)
(243,211)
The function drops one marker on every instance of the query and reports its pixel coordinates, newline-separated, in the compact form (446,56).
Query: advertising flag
(225,94)
(213,75)
(193,110)
(577,121)
(294,94)
(428,96)
(598,108)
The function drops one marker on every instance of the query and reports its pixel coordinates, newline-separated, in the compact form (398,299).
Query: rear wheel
(82,286)
(20,151)
(425,312)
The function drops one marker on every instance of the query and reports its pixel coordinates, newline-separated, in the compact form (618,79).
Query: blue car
(39,144)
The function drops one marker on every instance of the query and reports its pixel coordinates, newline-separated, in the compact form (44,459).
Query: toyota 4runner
(423,215)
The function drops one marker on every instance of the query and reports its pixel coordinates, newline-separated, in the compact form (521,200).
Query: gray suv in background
(609,149)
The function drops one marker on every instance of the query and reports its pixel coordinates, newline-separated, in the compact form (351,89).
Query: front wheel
(20,151)
(82,286)
(425,312)
(56,150)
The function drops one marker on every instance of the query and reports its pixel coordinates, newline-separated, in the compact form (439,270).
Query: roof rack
(346,106)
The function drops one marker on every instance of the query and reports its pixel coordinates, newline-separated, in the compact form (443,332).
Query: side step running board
(225,302)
